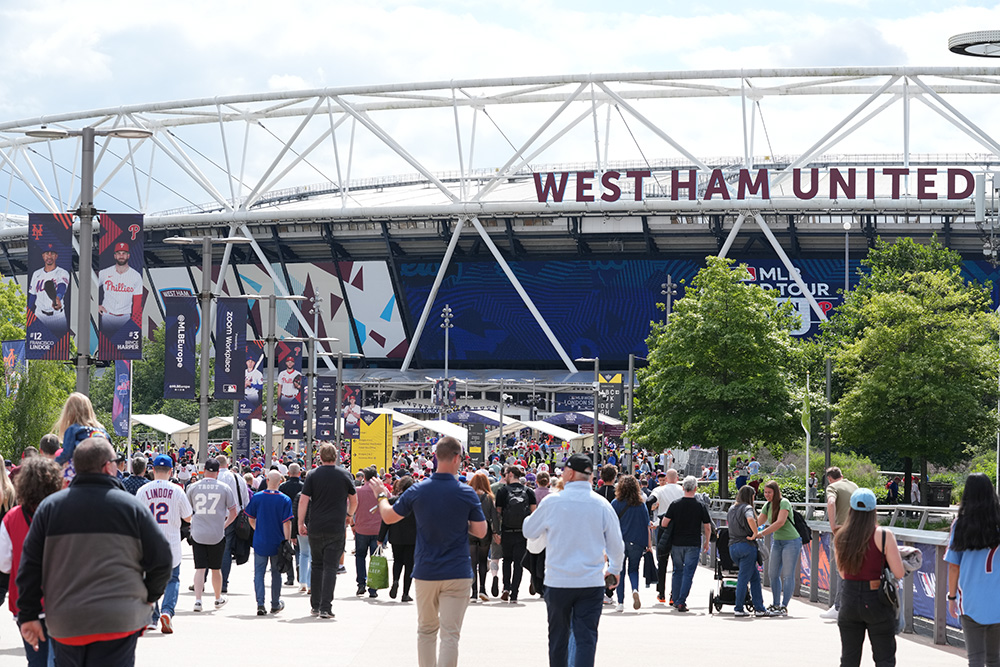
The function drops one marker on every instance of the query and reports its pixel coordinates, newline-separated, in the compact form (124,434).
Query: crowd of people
(576,532)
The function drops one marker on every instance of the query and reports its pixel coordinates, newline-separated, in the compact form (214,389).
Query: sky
(68,55)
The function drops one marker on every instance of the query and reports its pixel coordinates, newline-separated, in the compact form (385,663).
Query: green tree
(717,372)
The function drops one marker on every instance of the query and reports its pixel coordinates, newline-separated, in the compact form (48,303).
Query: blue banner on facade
(50,260)
(288,362)
(251,405)
(182,324)
(230,348)
(121,408)
(120,292)
(15,366)
(326,399)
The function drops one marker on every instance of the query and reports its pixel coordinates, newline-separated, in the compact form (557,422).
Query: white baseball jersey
(212,501)
(58,275)
(119,288)
(286,382)
(186,471)
(254,381)
(169,505)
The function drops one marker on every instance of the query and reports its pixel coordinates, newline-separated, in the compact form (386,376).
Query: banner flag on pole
(230,348)
(326,396)
(251,406)
(50,260)
(15,366)
(182,323)
(121,408)
(119,280)
(288,362)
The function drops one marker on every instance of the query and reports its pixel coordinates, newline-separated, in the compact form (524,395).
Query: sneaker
(225,589)
(221,602)
(361,590)
(303,588)
(765,613)
(783,610)
(505,596)
(372,593)
(496,587)
(406,598)
(166,624)
(740,613)
(661,599)
(191,588)
(831,613)
(394,589)
(326,615)
(531,588)
(681,607)
(314,612)
(261,611)
(340,570)
(275,610)
(484,597)
(150,626)
(197,605)
(773,607)
(636,603)
(620,608)
(513,599)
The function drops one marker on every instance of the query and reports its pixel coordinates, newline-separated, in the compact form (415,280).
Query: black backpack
(801,526)
(517,508)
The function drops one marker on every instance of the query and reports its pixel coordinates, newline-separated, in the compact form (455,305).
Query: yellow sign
(374,445)
(611,379)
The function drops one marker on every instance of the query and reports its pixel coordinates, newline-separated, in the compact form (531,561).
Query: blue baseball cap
(863,500)
(163,461)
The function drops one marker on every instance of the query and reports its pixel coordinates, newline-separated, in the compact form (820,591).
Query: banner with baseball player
(50,260)
(351,412)
(15,366)
(251,405)
(121,407)
(120,294)
(182,323)
(326,398)
(288,363)
(230,347)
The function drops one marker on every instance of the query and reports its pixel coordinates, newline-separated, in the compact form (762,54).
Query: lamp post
(446,317)
(631,401)
(669,290)
(311,352)
(847,258)
(205,299)
(86,213)
(597,402)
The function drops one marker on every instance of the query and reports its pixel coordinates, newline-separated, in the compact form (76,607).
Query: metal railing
(904,536)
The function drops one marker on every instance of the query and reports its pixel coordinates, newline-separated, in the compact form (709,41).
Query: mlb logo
(229,388)
(751,273)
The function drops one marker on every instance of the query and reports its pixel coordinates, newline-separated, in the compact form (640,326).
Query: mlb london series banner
(121,407)
(230,348)
(50,259)
(182,322)
(288,362)
(119,279)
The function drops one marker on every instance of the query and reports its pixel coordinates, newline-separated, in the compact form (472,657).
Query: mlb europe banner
(288,363)
(50,260)
(121,407)
(326,398)
(230,348)
(15,366)
(119,279)
(251,405)
(182,322)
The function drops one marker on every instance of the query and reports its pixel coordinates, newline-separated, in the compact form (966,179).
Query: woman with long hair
(863,550)
(479,548)
(38,477)
(634,520)
(76,423)
(742,524)
(785,547)
(972,576)
(403,537)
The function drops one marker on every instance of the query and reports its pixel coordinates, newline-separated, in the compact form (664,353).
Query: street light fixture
(205,299)
(597,402)
(669,290)
(847,258)
(311,343)
(86,213)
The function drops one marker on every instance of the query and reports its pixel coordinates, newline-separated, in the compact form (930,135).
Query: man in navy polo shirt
(447,512)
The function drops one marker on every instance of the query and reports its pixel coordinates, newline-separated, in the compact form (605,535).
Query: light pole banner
(351,413)
(374,444)
(288,363)
(119,279)
(230,348)
(121,407)
(477,444)
(50,260)
(326,399)
(241,448)
(182,323)
(611,395)
(251,406)
(14,364)
(293,428)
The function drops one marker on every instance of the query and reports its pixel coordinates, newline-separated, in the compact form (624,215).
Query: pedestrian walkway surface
(494,633)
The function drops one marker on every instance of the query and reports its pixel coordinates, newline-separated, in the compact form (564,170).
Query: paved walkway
(367,632)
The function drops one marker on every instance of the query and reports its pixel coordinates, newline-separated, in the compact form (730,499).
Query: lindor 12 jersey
(120,290)
(43,296)
(169,505)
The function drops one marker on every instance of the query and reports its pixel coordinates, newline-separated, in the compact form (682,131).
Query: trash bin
(939,494)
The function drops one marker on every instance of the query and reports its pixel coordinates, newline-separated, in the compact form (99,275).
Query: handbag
(887,586)
(241,526)
(378,571)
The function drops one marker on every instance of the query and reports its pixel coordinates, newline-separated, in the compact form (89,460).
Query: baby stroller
(725,574)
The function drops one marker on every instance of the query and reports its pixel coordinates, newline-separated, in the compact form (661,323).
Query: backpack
(517,509)
(801,526)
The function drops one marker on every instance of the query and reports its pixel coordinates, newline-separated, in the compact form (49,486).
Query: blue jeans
(227,555)
(578,609)
(303,558)
(44,656)
(744,555)
(169,596)
(364,546)
(633,557)
(685,561)
(781,568)
(259,565)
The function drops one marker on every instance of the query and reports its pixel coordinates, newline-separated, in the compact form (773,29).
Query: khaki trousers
(441,606)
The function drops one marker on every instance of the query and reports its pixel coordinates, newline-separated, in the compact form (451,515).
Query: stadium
(547,212)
